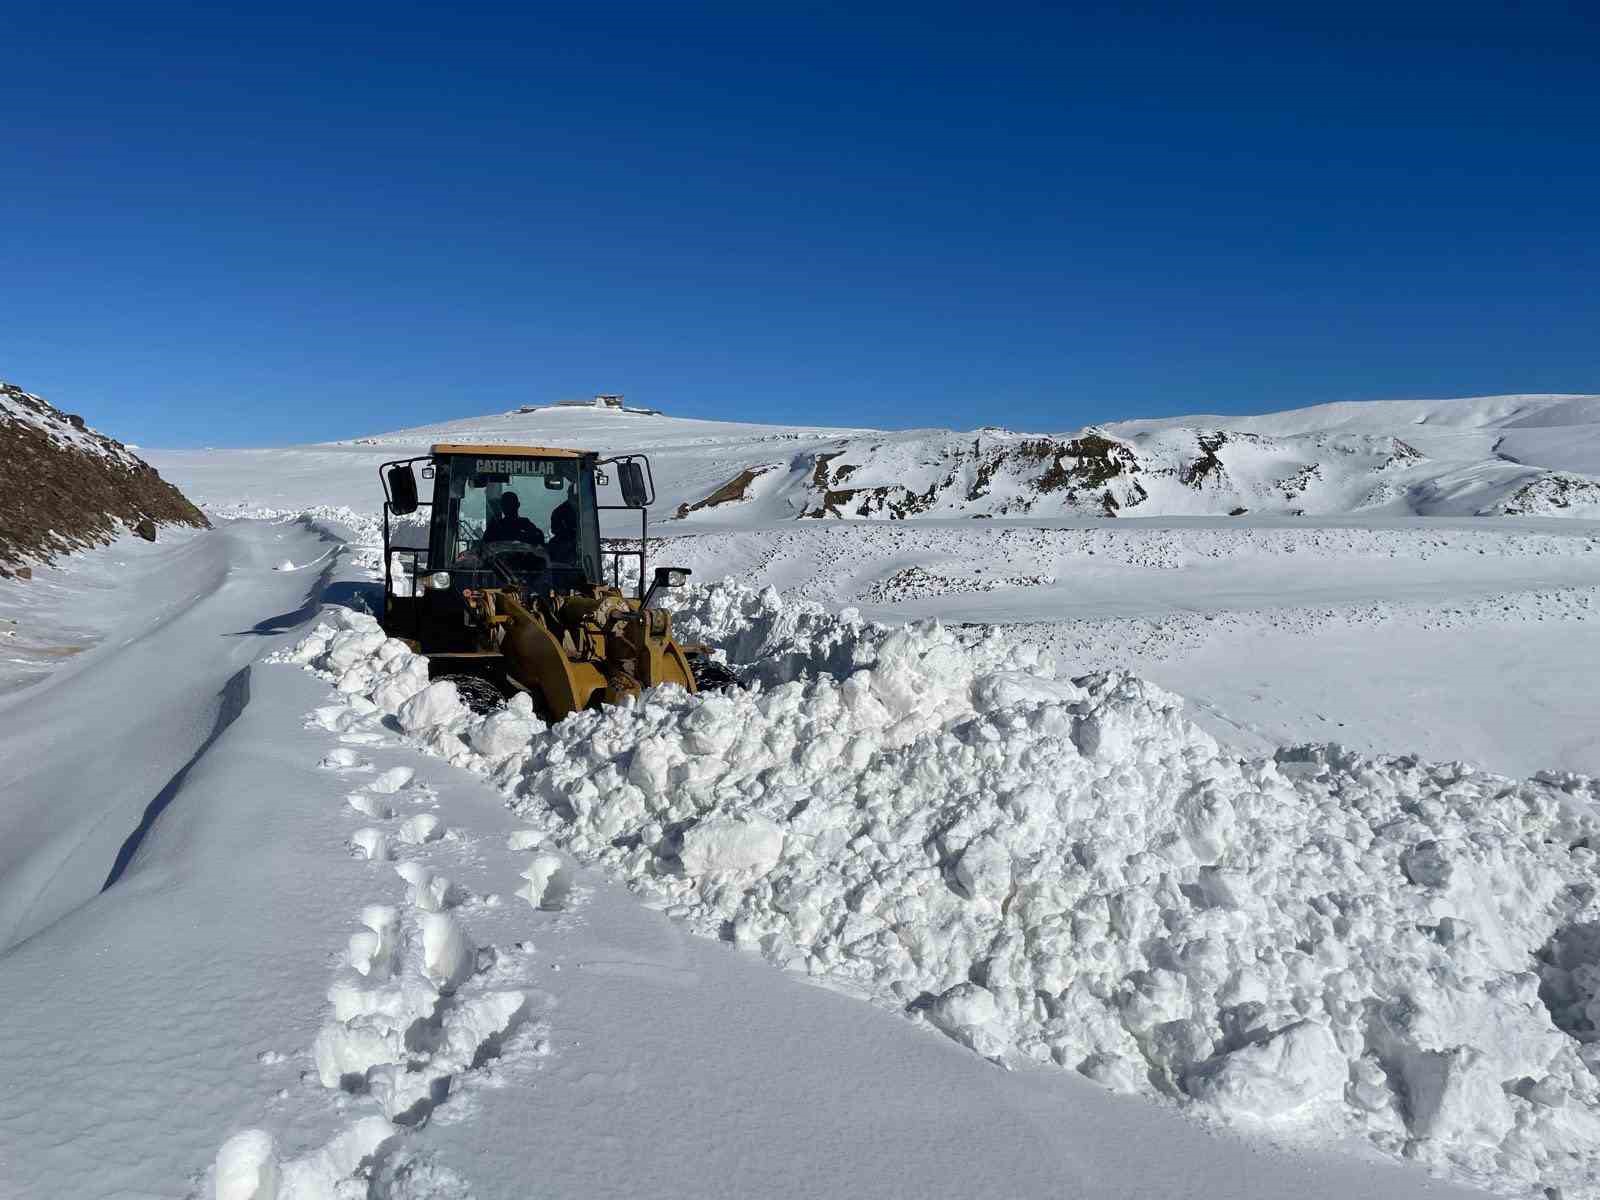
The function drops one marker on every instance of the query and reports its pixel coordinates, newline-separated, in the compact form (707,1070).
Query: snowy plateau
(1188,808)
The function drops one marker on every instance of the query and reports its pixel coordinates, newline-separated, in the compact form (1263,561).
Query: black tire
(477,693)
(710,675)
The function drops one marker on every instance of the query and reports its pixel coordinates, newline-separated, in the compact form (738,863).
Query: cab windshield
(526,514)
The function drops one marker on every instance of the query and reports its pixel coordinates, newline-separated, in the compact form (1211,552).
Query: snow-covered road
(85,752)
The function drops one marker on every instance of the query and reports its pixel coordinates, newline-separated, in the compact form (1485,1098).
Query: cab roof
(509,451)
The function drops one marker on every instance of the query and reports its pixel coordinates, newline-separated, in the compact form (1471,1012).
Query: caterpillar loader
(508,592)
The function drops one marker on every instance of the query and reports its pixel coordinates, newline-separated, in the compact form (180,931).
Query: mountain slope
(68,487)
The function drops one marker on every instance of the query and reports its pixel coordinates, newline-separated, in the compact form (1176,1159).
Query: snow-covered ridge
(1174,470)
(1516,455)
(1065,869)
(998,473)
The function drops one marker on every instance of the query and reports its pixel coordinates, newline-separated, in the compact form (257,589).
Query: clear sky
(261,224)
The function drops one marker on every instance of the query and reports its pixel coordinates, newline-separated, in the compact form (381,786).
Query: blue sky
(306,222)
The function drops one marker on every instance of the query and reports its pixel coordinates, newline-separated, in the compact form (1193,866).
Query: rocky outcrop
(1088,473)
(732,492)
(65,487)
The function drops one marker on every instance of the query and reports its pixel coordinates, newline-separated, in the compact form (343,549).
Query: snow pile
(1069,871)
(775,639)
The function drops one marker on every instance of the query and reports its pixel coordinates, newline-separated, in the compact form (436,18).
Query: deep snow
(169,1026)
(1068,871)
(1299,961)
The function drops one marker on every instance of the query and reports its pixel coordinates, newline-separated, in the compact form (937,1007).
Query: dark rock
(146,528)
(1209,465)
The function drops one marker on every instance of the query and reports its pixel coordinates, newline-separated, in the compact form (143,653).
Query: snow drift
(1067,870)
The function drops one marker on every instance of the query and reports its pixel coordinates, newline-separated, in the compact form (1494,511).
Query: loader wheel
(479,694)
(710,675)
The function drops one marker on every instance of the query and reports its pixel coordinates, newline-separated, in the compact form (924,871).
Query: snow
(27,409)
(246,1168)
(1467,457)
(78,782)
(1066,870)
(1267,840)
(76,604)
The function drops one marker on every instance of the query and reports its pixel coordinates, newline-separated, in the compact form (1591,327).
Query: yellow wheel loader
(508,592)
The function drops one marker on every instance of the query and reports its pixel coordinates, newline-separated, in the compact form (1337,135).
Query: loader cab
(472,517)
(521,517)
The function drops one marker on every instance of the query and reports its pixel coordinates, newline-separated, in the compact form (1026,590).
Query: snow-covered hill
(1497,455)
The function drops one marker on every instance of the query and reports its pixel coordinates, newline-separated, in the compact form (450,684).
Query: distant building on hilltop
(608,400)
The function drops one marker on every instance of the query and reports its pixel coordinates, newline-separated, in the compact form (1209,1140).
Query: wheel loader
(508,592)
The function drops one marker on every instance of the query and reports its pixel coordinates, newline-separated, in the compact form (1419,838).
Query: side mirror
(665,578)
(671,577)
(630,476)
(402,490)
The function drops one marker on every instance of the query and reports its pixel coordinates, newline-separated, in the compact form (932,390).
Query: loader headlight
(439,581)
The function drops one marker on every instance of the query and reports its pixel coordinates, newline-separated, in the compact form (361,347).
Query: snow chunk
(429,891)
(1293,1073)
(448,955)
(372,843)
(732,844)
(504,733)
(391,781)
(320,1173)
(549,880)
(246,1168)
(435,705)
(421,828)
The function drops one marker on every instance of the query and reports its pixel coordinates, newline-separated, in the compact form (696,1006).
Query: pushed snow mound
(773,638)
(1067,870)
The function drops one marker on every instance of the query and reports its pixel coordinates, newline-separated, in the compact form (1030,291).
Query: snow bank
(773,638)
(1067,870)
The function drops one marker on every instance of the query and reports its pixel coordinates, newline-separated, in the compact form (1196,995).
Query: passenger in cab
(564,533)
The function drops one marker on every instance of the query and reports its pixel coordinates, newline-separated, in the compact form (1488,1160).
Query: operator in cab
(511,525)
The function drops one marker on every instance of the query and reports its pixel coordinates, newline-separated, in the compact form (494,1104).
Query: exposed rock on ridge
(65,487)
